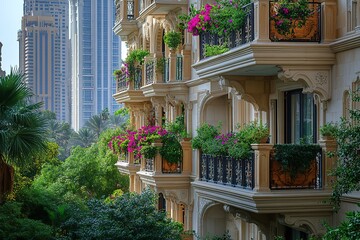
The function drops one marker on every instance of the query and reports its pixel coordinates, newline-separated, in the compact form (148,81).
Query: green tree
(88,172)
(347,172)
(97,123)
(84,138)
(130,216)
(22,128)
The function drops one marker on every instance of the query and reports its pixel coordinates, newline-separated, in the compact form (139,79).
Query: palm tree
(97,124)
(84,138)
(22,128)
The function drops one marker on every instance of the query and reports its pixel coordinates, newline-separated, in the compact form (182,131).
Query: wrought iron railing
(233,39)
(179,67)
(310,32)
(118,10)
(130,9)
(149,164)
(149,66)
(121,83)
(283,177)
(166,70)
(138,78)
(228,171)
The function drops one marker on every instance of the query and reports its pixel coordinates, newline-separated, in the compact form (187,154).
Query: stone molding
(317,80)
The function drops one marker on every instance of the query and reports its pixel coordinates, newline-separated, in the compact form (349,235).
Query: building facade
(293,83)
(44,53)
(95,54)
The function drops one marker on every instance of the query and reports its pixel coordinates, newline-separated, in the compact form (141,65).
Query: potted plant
(172,39)
(248,134)
(328,131)
(289,15)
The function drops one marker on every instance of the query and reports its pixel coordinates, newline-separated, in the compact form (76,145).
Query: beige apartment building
(293,84)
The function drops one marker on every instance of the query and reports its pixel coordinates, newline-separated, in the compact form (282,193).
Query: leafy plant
(347,230)
(172,39)
(290,14)
(212,50)
(171,150)
(247,135)
(329,129)
(296,158)
(205,133)
(118,72)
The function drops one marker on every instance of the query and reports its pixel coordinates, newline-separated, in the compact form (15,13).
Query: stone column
(157,159)
(172,65)
(187,157)
(262,167)
(261,20)
(329,163)
(328,20)
(186,64)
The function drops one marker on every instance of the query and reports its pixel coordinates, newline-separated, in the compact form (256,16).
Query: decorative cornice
(348,42)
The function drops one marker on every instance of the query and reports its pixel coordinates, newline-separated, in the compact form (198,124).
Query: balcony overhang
(264,59)
(127,168)
(129,96)
(163,89)
(162,7)
(169,181)
(275,201)
(124,28)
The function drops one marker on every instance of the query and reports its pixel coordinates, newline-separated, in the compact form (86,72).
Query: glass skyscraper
(44,53)
(95,51)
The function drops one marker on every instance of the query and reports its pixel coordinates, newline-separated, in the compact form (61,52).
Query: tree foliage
(347,172)
(88,172)
(130,216)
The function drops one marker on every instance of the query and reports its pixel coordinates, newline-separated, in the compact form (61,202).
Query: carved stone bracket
(317,79)
(261,221)
(312,223)
(238,89)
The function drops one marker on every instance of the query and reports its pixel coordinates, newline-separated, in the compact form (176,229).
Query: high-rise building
(96,54)
(2,73)
(44,55)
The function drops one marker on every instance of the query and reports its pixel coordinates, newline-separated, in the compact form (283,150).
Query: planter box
(311,32)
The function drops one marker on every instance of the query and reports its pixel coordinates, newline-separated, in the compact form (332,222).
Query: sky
(10,22)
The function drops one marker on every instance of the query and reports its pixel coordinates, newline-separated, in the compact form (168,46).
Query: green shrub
(172,39)
(128,217)
(14,225)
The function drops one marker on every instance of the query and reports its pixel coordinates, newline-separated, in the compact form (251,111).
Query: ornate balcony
(262,184)
(129,91)
(234,39)
(125,23)
(258,50)
(159,7)
(160,173)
